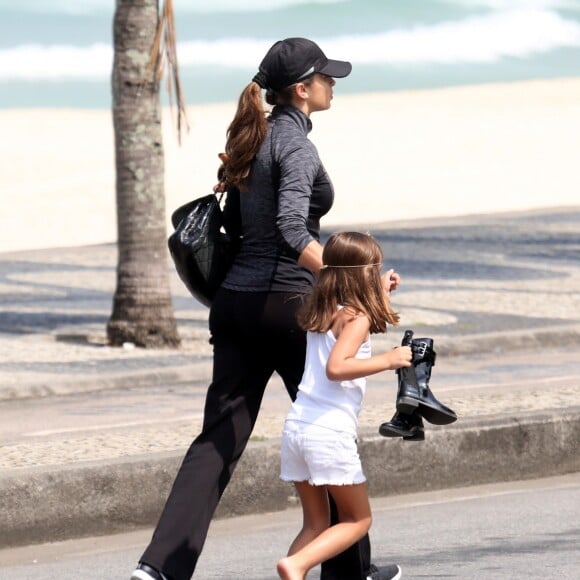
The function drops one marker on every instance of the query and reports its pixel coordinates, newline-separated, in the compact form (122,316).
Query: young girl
(349,301)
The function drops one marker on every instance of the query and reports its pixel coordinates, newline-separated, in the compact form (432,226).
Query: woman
(277,192)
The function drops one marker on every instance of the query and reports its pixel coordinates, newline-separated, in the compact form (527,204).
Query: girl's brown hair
(248,129)
(351,276)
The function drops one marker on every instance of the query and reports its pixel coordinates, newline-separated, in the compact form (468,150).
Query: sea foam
(477,39)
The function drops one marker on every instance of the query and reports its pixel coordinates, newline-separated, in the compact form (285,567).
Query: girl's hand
(401,356)
(391,280)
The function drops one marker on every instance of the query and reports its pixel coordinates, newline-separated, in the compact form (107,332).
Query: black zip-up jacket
(287,192)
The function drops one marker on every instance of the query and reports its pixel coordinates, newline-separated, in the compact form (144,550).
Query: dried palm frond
(164,56)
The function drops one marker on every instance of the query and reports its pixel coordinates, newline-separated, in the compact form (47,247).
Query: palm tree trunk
(142,305)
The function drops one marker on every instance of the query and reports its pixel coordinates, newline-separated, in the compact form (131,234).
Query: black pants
(253,336)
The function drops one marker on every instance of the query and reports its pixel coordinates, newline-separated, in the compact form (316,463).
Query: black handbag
(201,250)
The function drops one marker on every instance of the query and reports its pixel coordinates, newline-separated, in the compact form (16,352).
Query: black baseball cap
(294,59)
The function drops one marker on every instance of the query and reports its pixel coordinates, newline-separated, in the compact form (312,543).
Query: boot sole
(433,415)
(389,431)
(412,435)
(419,436)
(436,416)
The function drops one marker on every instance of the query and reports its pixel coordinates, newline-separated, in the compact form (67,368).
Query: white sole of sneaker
(141,575)
(398,576)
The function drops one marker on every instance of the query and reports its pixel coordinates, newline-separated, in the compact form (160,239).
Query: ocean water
(58,53)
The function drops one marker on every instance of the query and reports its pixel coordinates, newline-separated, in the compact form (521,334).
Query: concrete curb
(59,502)
(199,371)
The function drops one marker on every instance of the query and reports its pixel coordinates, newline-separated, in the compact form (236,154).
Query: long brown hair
(351,276)
(245,135)
(248,129)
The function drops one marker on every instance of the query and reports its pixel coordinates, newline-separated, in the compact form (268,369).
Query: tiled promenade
(499,294)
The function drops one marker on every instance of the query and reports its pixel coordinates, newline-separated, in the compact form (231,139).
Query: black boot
(409,427)
(414,394)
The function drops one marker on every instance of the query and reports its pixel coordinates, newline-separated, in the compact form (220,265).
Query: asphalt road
(501,531)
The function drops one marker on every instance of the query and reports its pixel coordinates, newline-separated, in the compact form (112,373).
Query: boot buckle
(420,348)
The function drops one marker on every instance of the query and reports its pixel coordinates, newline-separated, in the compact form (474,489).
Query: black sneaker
(145,572)
(391,572)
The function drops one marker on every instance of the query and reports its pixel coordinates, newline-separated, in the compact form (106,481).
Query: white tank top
(320,401)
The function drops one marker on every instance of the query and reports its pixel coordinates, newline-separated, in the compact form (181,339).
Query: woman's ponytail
(245,135)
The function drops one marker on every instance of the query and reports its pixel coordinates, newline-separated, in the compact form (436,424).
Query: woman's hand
(391,280)
(311,256)
(221,186)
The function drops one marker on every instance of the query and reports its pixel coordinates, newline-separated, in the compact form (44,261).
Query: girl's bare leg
(355,520)
(315,519)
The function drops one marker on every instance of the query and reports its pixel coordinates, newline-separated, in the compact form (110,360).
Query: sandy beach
(391,156)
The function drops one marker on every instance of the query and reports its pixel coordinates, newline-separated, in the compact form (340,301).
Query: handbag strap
(274,169)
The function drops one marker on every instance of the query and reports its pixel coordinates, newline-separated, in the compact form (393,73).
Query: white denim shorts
(319,455)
